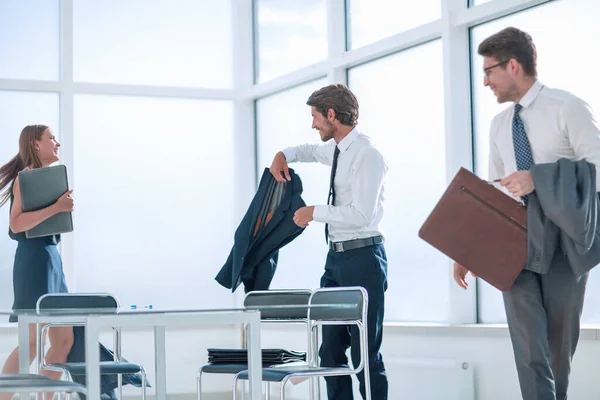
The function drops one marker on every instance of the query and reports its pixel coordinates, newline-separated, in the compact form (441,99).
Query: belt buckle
(338,247)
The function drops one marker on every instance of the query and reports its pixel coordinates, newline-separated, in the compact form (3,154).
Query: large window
(27,108)
(372,20)
(154,187)
(157,42)
(401,102)
(154,221)
(144,140)
(284,120)
(555,51)
(29,39)
(289,35)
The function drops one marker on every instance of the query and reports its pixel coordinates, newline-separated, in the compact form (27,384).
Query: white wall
(487,350)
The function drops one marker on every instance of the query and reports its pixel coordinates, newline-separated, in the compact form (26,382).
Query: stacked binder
(240,356)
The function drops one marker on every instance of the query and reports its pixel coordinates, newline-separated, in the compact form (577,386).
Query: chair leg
(69,378)
(366,369)
(39,357)
(120,386)
(315,382)
(143,374)
(199,383)
(117,358)
(314,388)
(235,380)
(282,390)
(318,389)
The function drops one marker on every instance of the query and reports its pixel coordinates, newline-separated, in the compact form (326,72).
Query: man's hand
(460,275)
(278,166)
(519,183)
(303,216)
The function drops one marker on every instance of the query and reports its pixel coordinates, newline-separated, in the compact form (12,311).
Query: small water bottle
(140,307)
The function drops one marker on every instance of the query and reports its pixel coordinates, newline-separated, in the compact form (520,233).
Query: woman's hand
(65,202)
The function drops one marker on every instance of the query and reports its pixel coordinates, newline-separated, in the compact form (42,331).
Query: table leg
(92,358)
(255,359)
(160,356)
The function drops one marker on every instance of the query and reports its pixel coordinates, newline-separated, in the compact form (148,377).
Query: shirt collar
(531,94)
(347,141)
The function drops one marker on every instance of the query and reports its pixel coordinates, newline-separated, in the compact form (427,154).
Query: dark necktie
(331,196)
(521,144)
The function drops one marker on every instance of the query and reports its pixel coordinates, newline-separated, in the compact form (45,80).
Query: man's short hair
(340,99)
(511,43)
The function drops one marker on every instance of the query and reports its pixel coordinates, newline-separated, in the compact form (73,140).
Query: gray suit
(544,306)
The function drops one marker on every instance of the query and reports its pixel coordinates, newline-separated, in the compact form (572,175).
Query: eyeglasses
(486,70)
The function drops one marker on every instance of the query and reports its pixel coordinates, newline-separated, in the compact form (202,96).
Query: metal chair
(83,302)
(351,309)
(34,383)
(266,301)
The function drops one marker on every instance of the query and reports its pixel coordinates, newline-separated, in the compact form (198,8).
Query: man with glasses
(543,307)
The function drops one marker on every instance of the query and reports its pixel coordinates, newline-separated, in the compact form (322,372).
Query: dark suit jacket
(267,226)
(562,213)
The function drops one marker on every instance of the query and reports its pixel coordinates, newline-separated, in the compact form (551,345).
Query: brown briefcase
(481,228)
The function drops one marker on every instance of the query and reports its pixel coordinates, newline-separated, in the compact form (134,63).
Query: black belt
(339,247)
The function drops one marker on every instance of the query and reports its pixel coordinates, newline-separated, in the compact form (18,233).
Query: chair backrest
(273,298)
(352,304)
(104,302)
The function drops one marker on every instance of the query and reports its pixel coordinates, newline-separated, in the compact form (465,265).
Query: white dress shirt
(557,124)
(358,185)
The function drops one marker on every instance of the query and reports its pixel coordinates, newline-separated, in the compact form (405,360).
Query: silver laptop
(40,188)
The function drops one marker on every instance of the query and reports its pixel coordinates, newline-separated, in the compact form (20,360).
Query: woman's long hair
(27,157)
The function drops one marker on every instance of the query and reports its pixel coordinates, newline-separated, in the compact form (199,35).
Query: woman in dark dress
(38,266)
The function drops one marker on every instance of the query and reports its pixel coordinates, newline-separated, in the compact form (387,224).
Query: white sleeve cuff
(320,213)
(290,154)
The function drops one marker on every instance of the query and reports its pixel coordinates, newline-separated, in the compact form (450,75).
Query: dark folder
(40,188)
(240,356)
(481,228)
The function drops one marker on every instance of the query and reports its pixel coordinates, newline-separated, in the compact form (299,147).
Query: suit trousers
(366,267)
(543,313)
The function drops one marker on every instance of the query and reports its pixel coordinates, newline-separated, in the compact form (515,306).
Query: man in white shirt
(543,307)
(352,216)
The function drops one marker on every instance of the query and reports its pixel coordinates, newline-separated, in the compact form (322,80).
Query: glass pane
(372,20)
(308,251)
(29,44)
(555,55)
(396,110)
(26,108)
(154,221)
(289,35)
(153,42)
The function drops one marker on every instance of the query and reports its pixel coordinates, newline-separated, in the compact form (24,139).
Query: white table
(154,318)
